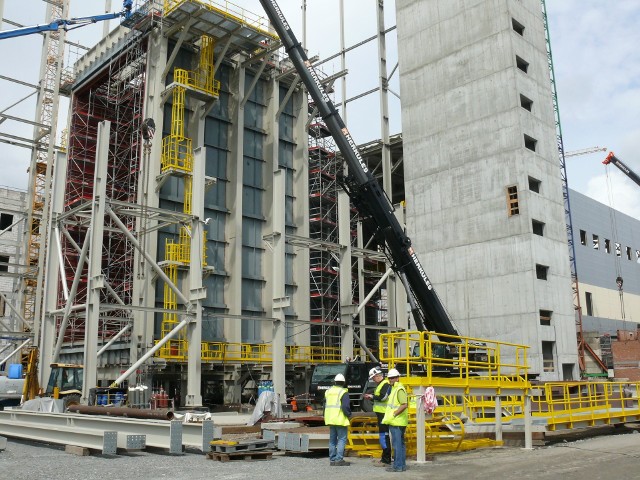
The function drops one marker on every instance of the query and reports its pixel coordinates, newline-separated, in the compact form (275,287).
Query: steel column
(95,279)
(197,292)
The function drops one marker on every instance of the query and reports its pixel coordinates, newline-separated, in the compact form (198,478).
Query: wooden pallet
(221,446)
(253,455)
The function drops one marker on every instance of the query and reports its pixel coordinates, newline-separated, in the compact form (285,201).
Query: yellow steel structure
(227,10)
(177,157)
(454,361)
(177,150)
(262,354)
(587,404)
(460,366)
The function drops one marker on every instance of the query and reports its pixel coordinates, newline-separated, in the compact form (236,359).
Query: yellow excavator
(65,381)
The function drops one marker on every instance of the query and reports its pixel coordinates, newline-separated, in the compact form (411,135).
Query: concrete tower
(483,188)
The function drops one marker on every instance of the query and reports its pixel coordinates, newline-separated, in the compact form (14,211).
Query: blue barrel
(119,398)
(15,371)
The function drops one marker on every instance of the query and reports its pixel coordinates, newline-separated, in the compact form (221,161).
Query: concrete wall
(463,127)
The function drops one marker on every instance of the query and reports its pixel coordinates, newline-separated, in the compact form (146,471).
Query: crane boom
(611,158)
(364,190)
(66,23)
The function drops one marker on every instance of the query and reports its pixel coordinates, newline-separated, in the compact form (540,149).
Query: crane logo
(275,6)
(353,146)
(416,262)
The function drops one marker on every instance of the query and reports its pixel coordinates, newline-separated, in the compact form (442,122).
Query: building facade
(483,188)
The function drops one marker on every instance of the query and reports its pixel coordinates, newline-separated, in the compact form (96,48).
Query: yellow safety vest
(401,420)
(379,405)
(333,414)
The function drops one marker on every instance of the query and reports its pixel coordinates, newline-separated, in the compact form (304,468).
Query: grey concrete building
(607,247)
(483,189)
(13,213)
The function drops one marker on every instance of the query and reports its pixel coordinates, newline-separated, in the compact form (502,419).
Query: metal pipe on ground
(122,412)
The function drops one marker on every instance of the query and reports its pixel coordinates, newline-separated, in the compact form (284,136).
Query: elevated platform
(247,31)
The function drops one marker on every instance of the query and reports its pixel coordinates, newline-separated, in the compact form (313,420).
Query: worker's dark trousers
(385,440)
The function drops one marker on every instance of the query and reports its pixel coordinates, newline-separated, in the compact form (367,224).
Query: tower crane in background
(611,158)
(584,151)
(62,23)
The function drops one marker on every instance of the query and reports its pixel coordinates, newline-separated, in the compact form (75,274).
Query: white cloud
(615,190)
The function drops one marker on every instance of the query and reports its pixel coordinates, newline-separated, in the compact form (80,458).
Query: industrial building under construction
(202,230)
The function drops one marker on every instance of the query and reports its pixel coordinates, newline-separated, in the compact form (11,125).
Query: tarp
(268,403)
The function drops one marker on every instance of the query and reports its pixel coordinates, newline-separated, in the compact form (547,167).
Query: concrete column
(346,305)
(528,435)
(197,292)
(280,301)
(498,418)
(143,287)
(233,260)
(95,278)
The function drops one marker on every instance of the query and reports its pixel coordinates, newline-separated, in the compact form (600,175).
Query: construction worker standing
(380,396)
(397,417)
(337,411)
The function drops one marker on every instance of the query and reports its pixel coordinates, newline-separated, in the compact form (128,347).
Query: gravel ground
(605,457)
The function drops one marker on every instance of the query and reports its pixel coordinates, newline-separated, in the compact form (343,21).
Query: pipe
(122,412)
(16,350)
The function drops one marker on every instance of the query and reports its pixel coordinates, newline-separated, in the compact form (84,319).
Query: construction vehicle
(355,373)
(611,158)
(68,24)
(65,381)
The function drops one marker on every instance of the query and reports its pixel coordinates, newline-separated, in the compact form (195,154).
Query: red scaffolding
(115,94)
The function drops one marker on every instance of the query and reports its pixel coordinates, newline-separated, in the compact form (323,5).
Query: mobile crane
(365,192)
(64,24)
(611,158)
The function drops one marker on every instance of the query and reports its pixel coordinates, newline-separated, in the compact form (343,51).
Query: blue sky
(597,67)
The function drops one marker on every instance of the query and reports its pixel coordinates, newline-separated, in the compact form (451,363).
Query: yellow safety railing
(228,10)
(425,358)
(177,155)
(579,404)
(177,150)
(260,353)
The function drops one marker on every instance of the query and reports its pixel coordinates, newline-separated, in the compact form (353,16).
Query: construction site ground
(601,453)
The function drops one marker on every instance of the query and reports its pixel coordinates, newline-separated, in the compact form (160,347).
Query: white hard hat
(393,373)
(374,371)
(339,378)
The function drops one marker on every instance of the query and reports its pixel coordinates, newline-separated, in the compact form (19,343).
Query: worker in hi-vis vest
(337,411)
(396,416)
(380,396)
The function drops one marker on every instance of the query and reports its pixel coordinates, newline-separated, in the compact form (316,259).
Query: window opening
(517,27)
(545,317)
(538,227)
(534,184)
(542,272)
(628,253)
(530,143)
(4,263)
(589,301)
(583,237)
(607,245)
(512,200)
(521,64)
(526,103)
(596,242)
(618,249)
(6,220)
(547,357)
